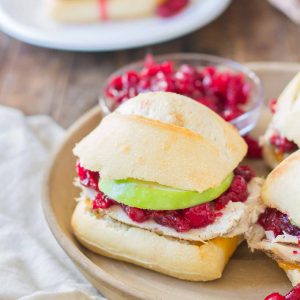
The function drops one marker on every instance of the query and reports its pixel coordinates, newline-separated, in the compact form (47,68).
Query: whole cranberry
(173,219)
(254,149)
(294,294)
(246,172)
(275,296)
(87,178)
(102,201)
(200,215)
(136,214)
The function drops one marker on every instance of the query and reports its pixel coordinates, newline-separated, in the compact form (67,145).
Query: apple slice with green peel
(153,196)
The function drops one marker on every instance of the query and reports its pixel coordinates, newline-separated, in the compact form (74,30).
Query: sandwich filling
(280,145)
(229,214)
(277,235)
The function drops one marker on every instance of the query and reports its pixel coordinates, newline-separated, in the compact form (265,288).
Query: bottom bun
(269,156)
(292,272)
(177,258)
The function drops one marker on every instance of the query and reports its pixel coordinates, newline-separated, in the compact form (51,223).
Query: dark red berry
(282,144)
(274,220)
(87,178)
(171,7)
(246,172)
(201,215)
(294,294)
(102,201)
(275,296)
(254,149)
(272,105)
(136,214)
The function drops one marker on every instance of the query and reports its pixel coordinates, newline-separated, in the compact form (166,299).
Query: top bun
(281,189)
(165,138)
(287,115)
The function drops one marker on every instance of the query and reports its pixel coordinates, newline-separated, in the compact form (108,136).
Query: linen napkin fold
(32,264)
(291,8)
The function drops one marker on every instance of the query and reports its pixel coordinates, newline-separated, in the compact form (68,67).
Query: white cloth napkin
(32,265)
(291,8)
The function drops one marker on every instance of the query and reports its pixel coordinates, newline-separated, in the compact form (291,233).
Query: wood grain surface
(66,84)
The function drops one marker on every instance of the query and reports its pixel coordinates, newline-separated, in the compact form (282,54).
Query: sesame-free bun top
(287,116)
(281,189)
(164,138)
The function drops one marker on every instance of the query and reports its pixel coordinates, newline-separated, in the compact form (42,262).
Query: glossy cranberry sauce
(274,220)
(294,294)
(170,8)
(181,220)
(282,144)
(254,149)
(224,92)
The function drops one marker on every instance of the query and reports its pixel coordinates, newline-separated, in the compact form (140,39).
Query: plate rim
(12,27)
(77,257)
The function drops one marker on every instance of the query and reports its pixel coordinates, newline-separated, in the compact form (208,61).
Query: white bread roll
(287,116)
(269,155)
(168,154)
(170,256)
(81,11)
(281,189)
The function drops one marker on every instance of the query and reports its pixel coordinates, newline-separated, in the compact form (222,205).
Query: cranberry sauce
(87,178)
(223,92)
(294,294)
(274,220)
(183,219)
(282,144)
(254,149)
(170,8)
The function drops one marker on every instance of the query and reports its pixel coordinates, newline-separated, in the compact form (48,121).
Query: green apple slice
(153,196)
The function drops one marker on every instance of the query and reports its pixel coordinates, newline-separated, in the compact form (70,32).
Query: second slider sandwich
(161,187)
(277,232)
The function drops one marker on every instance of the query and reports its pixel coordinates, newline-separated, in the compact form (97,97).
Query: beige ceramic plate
(247,276)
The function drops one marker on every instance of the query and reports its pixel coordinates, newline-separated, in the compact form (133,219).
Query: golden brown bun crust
(180,259)
(281,189)
(132,146)
(81,11)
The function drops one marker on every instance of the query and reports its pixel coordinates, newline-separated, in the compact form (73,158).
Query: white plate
(27,21)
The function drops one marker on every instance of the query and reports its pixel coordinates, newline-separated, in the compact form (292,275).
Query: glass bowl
(244,123)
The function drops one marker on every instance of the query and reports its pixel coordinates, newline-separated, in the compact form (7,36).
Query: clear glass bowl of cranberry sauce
(227,87)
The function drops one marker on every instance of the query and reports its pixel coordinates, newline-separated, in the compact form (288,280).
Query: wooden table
(65,84)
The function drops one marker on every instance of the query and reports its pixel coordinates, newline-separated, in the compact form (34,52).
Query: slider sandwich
(161,187)
(283,134)
(81,11)
(277,231)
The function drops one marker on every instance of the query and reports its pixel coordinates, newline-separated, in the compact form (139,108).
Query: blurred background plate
(27,21)
(247,276)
